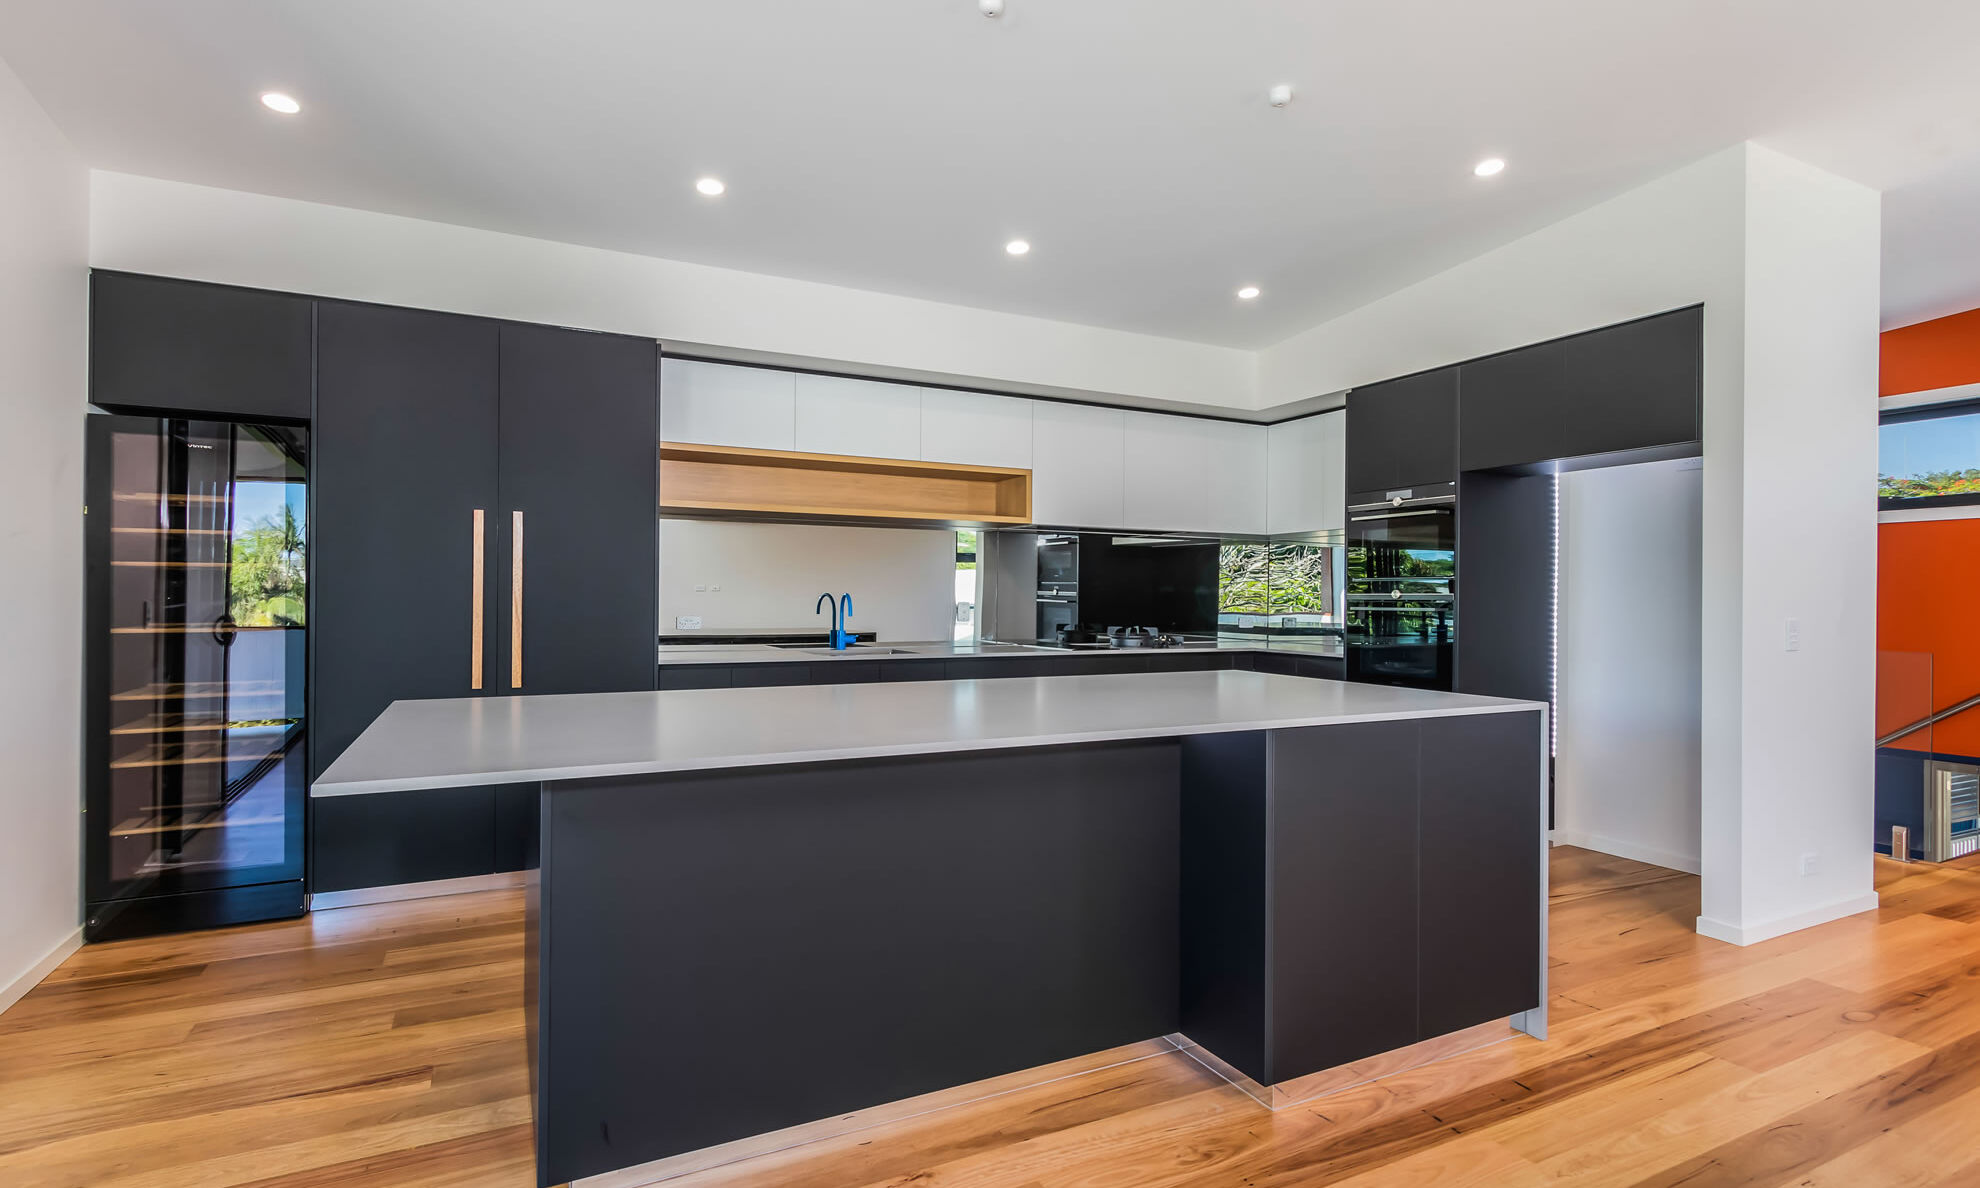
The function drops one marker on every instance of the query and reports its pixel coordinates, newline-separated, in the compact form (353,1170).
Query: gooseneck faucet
(842,611)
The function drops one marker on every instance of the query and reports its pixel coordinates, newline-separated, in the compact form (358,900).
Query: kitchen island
(761,907)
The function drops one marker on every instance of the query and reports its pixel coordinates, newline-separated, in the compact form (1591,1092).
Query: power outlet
(687,623)
(1811,865)
(1793,635)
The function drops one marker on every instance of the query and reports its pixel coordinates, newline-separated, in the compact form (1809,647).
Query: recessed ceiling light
(1248,293)
(1489,166)
(277,101)
(1017,247)
(710,186)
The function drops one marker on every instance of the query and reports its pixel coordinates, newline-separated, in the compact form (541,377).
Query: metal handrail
(1930,719)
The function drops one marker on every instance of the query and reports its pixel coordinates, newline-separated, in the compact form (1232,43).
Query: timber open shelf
(704,479)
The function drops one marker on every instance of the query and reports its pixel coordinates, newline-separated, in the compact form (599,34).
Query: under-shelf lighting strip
(1554,637)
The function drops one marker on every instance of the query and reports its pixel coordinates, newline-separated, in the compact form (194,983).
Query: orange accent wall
(1928,572)
(1941,353)
(1928,600)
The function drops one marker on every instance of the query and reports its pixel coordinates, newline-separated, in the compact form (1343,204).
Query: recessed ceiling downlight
(277,101)
(711,186)
(1490,167)
(1248,293)
(1017,247)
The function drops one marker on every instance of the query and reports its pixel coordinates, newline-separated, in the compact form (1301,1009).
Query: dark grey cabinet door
(405,455)
(1403,433)
(579,440)
(181,346)
(1344,966)
(1636,386)
(405,442)
(1480,850)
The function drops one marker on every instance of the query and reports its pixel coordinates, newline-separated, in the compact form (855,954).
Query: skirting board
(31,977)
(1608,845)
(324,901)
(1753,934)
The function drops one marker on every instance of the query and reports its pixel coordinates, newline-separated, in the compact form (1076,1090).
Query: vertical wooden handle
(515,601)
(474,648)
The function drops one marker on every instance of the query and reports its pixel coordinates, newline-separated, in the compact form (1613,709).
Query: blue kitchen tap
(842,613)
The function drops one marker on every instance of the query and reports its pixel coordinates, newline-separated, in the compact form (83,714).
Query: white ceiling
(896,144)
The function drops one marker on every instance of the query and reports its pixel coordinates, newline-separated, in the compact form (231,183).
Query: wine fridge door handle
(515,599)
(477,600)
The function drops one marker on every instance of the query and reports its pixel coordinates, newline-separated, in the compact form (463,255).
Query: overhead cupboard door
(857,417)
(720,404)
(1078,468)
(186,347)
(1636,386)
(1166,478)
(1403,433)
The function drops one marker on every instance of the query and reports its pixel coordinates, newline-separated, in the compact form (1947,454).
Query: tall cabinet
(485,526)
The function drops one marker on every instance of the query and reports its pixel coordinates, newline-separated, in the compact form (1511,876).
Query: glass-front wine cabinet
(197,586)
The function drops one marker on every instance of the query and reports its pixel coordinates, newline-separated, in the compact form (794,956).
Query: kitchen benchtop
(512,740)
(726,653)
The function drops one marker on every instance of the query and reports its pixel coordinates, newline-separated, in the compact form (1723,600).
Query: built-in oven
(1058,584)
(1401,621)
(1058,561)
(1056,614)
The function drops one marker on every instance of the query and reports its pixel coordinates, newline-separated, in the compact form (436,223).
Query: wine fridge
(196,585)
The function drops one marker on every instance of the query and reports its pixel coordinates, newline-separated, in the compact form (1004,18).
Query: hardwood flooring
(382,1046)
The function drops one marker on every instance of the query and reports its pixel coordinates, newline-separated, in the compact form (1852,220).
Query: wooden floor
(378,1046)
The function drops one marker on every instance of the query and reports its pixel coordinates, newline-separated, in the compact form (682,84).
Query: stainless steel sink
(859,650)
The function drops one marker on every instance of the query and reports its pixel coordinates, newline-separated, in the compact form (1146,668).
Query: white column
(1790,553)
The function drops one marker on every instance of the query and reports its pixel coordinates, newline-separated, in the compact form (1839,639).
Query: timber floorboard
(381,1047)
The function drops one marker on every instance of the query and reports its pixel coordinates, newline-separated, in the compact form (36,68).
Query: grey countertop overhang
(496,740)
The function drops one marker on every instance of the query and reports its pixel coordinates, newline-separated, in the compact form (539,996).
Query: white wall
(1626,777)
(1671,243)
(175,229)
(902,580)
(43,246)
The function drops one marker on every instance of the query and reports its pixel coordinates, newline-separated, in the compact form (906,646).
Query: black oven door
(1058,561)
(1055,615)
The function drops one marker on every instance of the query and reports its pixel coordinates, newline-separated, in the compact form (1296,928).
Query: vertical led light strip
(1554,637)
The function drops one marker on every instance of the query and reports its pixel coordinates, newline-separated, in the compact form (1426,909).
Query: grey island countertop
(494,740)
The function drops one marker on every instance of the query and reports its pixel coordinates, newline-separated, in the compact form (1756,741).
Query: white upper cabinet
(866,418)
(1078,465)
(974,429)
(1166,482)
(714,404)
(1236,465)
(1309,474)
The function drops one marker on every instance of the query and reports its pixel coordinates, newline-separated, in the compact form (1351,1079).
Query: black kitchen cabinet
(1622,389)
(1479,820)
(1403,433)
(1394,869)
(1345,812)
(579,480)
(471,469)
(158,344)
(405,499)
